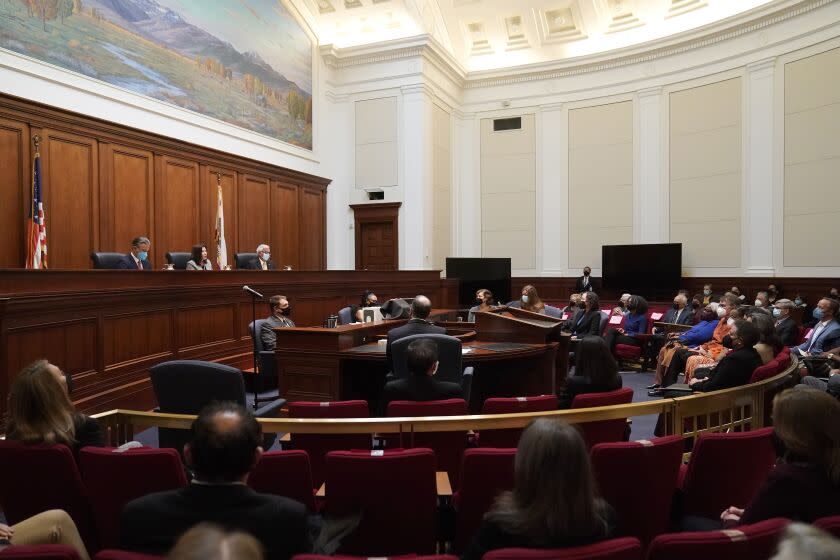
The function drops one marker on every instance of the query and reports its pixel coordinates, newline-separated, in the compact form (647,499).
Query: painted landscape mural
(245,62)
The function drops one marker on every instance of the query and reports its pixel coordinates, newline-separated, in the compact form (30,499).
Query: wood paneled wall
(104,184)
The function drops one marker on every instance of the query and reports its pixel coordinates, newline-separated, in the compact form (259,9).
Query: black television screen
(650,270)
(477,273)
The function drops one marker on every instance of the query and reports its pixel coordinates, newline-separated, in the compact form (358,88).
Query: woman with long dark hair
(198,258)
(596,371)
(554,502)
(635,322)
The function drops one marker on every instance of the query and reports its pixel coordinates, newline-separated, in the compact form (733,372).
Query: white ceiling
(493,34)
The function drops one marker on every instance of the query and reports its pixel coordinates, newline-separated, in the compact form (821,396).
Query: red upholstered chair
(514,405)
(765,371)
(783,358)
(624,469)
(401,557)
(725,470)
(124,555)
(448,446)
(394,492)
(318,445)
(484,474)
(37,478)
(39,552)
(603,431)
(641,354)
(284,473)
(627,548)
(114,478)
(829,524)
(745,542)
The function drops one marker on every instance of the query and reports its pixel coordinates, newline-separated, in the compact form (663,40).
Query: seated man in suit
(280,311)
(225,445)
(138,258)
(422,359)
(419,323)
(263,260)
(737,366)
(786,328)
(680,313)
(826,332)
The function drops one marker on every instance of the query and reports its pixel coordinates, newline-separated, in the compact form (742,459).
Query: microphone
(252,292)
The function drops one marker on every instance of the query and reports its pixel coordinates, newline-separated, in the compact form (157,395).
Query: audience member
(422,361)
(574,305)
(773,293)
(368,299)
(531,300)
(806,541)
(263,259)
(768,344)
(834,294)
(679,313)
(621,308)
(786,328)
(635,323)
(698,334)
(737,291)
(138,257)
(832,382)
(224,446)
(697,306)
(50,527)
(199,260)
(711,352)
(421,308)
(40,411)
(554,503)
(826,332)
(207,541)
(596,371)
(584,283)
(737,366)
(761,300)
(587,321)
(708,296)
(281,309)
(485,302)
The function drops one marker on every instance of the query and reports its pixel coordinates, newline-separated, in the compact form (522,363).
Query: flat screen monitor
(649,270)
(476,273)
(371,314)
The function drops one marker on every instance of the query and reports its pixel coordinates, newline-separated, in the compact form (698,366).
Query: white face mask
(730,321)
(721,311)
(758,303)
(524,299)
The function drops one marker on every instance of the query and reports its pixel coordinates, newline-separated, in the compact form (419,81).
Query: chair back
(509,437)
(745,542)
(382,487)
(115,554)
(603,431)
(605,318)
(40,552)
(242,260)
(553,312)
(765,371)
(626,548)
(266,378)
(448,446)
(449,355)
(726,469)
(318,445)
(178,259)
(484,474)
(653,465)
(284,473)
(35,478)
(115,478)
(106,261)
(345,315)
(829,524)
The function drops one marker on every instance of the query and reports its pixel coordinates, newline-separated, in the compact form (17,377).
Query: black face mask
(286,312)
(479,301)
(582,305)
(727,342)
(676,306)
(778,445)
(695,304)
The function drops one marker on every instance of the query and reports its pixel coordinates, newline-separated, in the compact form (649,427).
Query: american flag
(36,239)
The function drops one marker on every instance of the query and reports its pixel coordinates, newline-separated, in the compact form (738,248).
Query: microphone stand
(254,295)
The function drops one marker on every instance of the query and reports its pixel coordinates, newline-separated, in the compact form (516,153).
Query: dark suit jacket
(590,323)
(267,334)
(254,264)
(734,370)
(788,331)
(153,523)
(579,287)
(414,326)
(795,490)
(127,263)
(686,317)
(417,388)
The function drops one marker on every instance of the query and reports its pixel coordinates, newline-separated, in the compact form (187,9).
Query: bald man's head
(225,443)
(421,307)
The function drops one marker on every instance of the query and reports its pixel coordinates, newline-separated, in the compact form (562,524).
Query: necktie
(139,265)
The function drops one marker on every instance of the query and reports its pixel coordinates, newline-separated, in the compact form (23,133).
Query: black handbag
(817,366)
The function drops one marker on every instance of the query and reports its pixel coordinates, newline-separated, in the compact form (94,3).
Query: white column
(466,168)
(340,161)
(416,153)
(757,201)
(552,184)
(650,198)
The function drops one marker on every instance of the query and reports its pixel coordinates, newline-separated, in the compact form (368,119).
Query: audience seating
(318,445)
(124,555)
(115,478)
(35,478)
(242,260)
(285,473)
(106,261)
(638,480)
(604,431)
(448,446)
(553,312)
(765,371)
(627,548)
(450,358)
(484,474)
(745,542)
(381,486)
(725,469)
(401,557)
(641,354)
(39,552)
(514,405)
(829,524)
(178,260)
(264,382)
(345,315)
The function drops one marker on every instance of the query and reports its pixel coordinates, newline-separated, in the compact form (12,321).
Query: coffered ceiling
(493,34)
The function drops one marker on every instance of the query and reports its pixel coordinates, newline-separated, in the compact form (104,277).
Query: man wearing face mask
(138,258)
(786,328)
(584,283)
(826,333)
(708,296)
(263,260)
(281,309)
(736,368)
(762,300)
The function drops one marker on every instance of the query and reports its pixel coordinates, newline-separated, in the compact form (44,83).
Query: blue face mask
(818,313)
(142,255)
(266,256)
(776,312)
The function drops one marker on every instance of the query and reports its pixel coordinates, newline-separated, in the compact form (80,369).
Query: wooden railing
(740,408)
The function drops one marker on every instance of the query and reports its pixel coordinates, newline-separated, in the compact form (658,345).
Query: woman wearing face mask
(769,344)
(635,322)
(531,300)
(698,334)
(369,299)
(484,302)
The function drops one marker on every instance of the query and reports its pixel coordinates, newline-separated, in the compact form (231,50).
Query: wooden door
(377,236)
